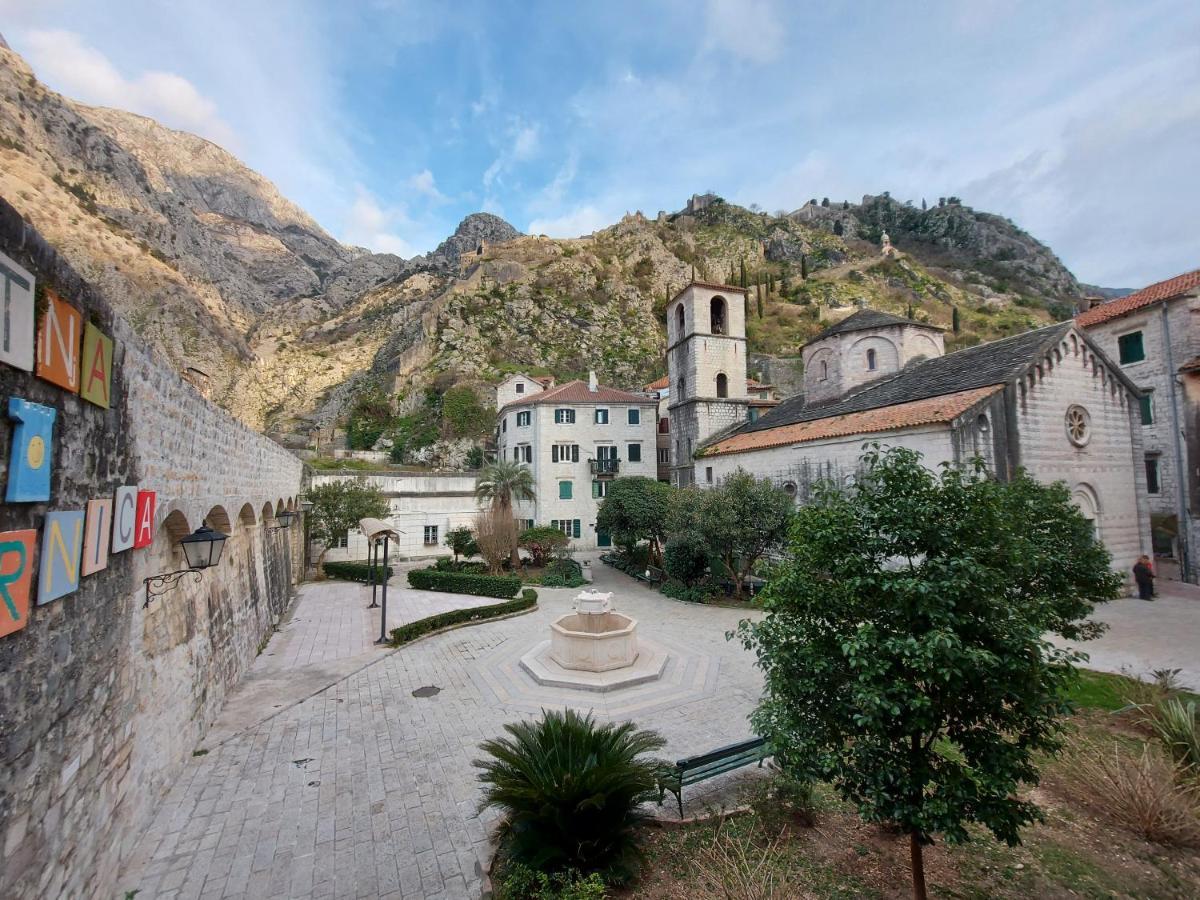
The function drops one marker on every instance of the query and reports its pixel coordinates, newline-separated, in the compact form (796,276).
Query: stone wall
(104,697)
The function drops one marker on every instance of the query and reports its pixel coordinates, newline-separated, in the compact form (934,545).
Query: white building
(423,507)
(576,437)
(1049,401)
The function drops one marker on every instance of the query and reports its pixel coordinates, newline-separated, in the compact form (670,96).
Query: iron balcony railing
(604,466)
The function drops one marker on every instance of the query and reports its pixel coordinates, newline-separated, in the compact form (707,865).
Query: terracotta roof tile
(1161,290)
(945,408)
(578,392)
(656,385)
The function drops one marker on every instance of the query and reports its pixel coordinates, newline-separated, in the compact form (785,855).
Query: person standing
(1143,574)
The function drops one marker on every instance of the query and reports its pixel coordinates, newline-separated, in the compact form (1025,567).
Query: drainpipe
(1182,474)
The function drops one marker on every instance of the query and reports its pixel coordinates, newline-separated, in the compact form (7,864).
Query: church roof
(866,319)
(945,408)
(1160,290)
(984,365)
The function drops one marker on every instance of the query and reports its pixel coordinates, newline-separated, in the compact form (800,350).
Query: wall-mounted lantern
(284,519)
(201,549)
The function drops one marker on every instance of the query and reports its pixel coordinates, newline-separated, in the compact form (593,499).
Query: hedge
(353,571)
(414,630)
(503,586)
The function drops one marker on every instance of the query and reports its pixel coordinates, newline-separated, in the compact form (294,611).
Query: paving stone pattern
(363,790)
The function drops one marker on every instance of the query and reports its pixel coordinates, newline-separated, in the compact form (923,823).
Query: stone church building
(1048,401)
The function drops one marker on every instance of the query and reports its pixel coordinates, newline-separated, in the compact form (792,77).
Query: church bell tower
(706,366)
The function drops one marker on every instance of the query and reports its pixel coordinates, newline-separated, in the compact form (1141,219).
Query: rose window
(1079,425)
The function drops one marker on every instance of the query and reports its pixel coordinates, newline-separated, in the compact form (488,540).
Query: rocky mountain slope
(214,266)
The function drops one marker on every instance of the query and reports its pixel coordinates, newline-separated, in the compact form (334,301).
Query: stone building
(1049,401)
(108,691)
(576,437)
(1153,336)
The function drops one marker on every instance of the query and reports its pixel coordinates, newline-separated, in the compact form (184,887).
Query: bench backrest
(742,748)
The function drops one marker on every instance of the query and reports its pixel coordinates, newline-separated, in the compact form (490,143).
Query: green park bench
(652,575)
(694,769)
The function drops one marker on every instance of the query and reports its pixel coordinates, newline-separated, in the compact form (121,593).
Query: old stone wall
(103,697)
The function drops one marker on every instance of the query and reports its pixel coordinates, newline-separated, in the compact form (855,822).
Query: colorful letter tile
(16,315)
(29,460)
(16,577)
(124,518)
(143,531)
(58,339)
(95,538)
(62,546)
(97,366)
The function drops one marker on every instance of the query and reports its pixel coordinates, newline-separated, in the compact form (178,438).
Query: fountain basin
(594,642)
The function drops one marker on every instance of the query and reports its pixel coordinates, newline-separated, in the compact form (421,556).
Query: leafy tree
(955,324)
(903,647)
(634,510)
(742,520)
(461,542)
(369,417)
(503,484)
(542,541)
(338,506)
(571,790)
(463,415)
(475,457)
(685,557)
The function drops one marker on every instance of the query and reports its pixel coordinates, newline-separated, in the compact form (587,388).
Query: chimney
(592,383)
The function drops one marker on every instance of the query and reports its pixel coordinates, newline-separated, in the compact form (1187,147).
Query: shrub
(565,567)
(523,883)
(571,790)
(414,630)
(353,571)
(461,541)
(738,869)
(529,594)
(1144,794)
(1175,725)
(686,557)
(464,583)
(687,594)
(450,565)
(541,541)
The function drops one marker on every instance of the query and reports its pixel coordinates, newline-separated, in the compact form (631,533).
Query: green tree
(803,267)
(685,557)
(904,645)
(955,324)
(742,520)
(635,509)
(369,416)
(503,484)
(463,415)
(742,282)
(542,542)
(461,542)
(758,301)
(337,508)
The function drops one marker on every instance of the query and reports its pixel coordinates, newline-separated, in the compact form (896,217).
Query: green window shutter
(595,490)
(635,417)
(576,524)
(634,453)
(1148,409)
(564,490)
(1130,348)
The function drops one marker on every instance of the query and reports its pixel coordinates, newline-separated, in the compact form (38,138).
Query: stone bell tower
(706,366)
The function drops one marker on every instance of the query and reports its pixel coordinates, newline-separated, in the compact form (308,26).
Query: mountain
(218,270)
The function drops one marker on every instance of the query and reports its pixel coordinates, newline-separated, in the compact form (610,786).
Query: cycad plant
(1175,724)
(570,790)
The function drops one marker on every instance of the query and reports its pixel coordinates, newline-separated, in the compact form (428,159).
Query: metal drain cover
(428,690)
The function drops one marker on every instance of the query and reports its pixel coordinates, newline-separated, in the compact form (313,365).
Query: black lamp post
(201,550)
(383,612)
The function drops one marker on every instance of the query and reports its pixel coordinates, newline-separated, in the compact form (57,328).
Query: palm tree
(503,483)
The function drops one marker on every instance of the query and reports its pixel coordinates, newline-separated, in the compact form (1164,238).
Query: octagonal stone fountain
(594,648)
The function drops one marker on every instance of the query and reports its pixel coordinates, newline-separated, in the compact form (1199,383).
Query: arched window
(682,384)
(722,385)
(824,370)
(679,319)
(871,360)
(716,315)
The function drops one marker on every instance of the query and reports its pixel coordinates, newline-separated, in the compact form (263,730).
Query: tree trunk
(918,866)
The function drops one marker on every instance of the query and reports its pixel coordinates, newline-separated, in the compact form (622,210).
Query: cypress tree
(954,323)
(743,281)
(759,293)
(731,273)
(803,267)
(910,313)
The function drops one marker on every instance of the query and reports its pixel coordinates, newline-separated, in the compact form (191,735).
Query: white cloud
(749,29)
(370,225)
(576,222)
(523,145)
(423,184)
(84,73)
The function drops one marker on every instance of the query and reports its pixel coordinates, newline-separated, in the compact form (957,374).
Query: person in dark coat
(1143,574)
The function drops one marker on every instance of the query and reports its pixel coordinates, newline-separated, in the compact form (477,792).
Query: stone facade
(1176,331)
(423,508)
(842,362)
(571,490)
(105,697)
(706,367)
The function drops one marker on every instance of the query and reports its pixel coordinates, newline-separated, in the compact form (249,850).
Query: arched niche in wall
(873,349)
(718,316)
(923,345)
(1087,501)
(246,516)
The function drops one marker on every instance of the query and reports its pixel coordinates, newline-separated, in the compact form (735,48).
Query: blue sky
(390,120)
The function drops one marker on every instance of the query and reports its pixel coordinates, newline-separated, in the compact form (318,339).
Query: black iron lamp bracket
(157,585)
